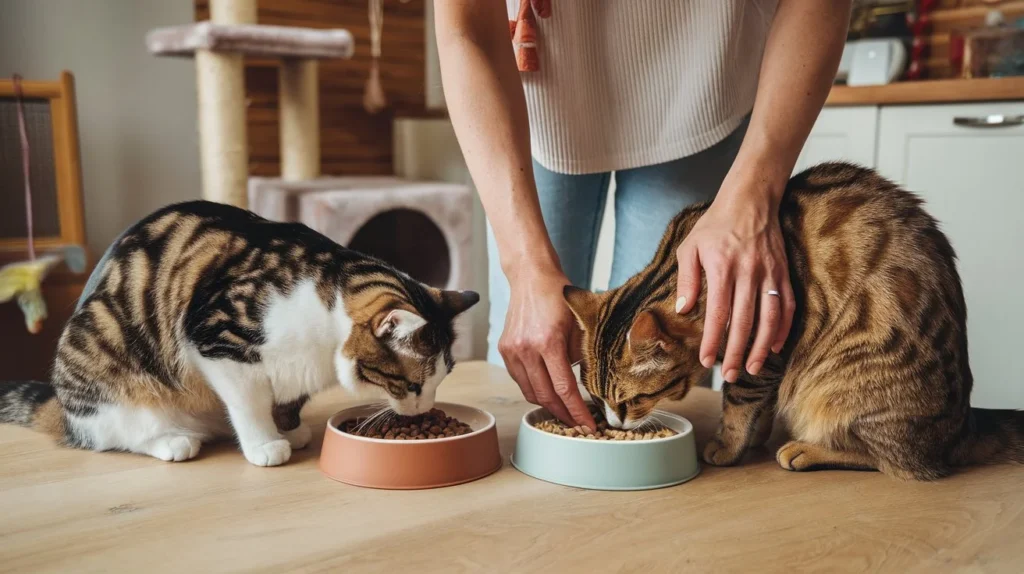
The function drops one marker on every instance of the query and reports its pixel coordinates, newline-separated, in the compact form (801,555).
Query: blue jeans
(646,200)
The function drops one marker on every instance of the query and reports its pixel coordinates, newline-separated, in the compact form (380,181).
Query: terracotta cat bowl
(408,464)
(607,465)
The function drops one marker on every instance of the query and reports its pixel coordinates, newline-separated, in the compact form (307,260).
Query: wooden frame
(66,159)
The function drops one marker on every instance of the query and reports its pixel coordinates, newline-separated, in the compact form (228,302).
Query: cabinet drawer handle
(992,121)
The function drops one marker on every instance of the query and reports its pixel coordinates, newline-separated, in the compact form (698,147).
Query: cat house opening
(410,241)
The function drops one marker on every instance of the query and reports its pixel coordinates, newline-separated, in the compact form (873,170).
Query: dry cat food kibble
(430,425)
(604,432)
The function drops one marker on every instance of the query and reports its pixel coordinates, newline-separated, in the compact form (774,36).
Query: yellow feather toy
(23,282)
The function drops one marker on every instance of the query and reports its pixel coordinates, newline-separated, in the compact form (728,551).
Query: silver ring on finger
(773,293)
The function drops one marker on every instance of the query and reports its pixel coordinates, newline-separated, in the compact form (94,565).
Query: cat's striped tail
(995,436)
(31,404)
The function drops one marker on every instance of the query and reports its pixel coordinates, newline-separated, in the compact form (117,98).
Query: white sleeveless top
(629,83)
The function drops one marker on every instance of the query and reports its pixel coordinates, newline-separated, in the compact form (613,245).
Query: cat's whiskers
(647,424)
(388,417)
(368,422)
(376,417)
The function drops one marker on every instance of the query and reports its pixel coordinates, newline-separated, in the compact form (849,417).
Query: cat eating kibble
(204,308)
(875,372)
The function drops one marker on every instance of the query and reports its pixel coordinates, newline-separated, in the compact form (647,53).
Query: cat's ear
(583,304)
(455,302)
(398,324)
(648,331)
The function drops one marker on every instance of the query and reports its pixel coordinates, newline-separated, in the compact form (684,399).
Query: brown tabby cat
(874,374)
(203,308)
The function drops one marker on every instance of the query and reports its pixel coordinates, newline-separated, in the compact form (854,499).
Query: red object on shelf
(956,52)
(919,22)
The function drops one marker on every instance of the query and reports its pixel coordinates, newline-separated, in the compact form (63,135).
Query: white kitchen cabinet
(972,180)
(842,133)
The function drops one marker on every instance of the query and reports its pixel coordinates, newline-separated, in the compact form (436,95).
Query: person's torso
(629,83)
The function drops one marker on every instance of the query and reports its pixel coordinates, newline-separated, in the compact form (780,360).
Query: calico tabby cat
(874,374)
(204,307)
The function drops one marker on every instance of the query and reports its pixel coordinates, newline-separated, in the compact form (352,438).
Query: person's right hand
(536,344)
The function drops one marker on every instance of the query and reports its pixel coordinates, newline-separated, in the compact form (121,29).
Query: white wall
(136,113)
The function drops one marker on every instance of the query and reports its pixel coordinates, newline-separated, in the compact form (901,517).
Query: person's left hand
(738,243)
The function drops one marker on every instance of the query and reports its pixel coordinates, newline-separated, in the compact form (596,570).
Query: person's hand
(537,342)
(738,243)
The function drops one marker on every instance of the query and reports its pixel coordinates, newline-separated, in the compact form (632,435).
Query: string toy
(23,280)
(26,166)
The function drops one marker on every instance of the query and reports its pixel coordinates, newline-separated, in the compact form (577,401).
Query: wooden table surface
(73,511)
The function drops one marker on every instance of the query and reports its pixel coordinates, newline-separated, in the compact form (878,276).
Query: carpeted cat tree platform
(422,228)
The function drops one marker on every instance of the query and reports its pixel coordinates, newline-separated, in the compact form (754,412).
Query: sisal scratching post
(219,47)
(299,102)
(220,81)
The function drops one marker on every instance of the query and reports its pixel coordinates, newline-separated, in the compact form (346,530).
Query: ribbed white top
(628,83)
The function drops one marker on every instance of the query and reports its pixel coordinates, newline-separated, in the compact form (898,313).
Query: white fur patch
(302,339)
(165,434)
(401,324)
(611,416)
(613,419)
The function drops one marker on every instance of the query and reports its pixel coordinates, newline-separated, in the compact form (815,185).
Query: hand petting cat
(739,246)
(738,241)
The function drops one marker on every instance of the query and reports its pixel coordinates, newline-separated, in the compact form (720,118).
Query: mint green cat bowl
(607,465)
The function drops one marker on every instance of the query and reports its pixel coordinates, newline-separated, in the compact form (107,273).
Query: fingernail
(730,376)
(708,361)
(680,303)
(754,369)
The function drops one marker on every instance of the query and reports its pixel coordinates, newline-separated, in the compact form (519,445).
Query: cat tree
(219,47)
(423,228)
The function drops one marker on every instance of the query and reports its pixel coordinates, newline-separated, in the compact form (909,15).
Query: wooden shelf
(929,92)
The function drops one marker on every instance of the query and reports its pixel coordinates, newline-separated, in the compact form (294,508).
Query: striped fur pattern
(205,309)
(875,372)
(18,401)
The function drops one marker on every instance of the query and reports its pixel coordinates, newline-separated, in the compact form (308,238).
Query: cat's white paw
(175,448)
(271,453)
(299,436)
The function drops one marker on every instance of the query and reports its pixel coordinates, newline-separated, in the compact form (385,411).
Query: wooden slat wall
(352,141)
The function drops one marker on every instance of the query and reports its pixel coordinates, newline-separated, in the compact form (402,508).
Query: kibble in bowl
(605,432)
(363,455)
(545,449)
(430,425)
